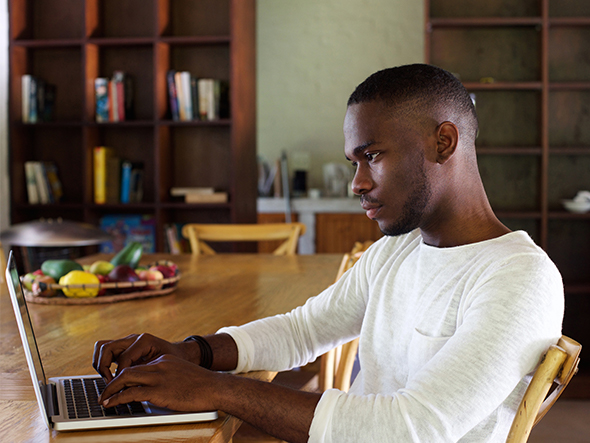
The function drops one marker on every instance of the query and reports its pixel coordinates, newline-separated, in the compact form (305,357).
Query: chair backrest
(2,263)
(337,364)
(557,367)
(198,234)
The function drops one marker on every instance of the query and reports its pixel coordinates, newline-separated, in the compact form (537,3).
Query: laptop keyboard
(82,400)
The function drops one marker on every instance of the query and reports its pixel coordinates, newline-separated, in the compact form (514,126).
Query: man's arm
(176,383)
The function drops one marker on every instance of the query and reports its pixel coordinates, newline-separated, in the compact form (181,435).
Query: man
(453,310)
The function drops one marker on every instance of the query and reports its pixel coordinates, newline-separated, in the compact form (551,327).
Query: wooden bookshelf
(71,42)
(528,65)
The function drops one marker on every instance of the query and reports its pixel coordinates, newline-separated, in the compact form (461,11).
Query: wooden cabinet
(69,43)
(528,65)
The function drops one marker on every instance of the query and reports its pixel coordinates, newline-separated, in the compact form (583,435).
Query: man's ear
(447,138)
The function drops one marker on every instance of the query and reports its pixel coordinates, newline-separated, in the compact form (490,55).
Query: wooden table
(214,291)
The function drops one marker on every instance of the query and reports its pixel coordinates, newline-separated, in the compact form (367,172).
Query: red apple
(102,279)
(123,273)
(151,275)
(38,272)
(166,271)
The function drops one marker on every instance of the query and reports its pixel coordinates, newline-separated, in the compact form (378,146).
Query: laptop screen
(25,326)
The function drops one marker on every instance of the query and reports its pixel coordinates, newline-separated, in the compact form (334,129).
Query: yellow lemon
(80,278)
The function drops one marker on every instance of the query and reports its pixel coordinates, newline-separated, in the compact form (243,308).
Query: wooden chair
(2,264)
(557,367)
(198,234)
(336,365)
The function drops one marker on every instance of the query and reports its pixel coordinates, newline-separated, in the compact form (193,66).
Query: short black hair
(423,87)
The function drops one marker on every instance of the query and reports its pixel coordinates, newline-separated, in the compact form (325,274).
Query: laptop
(70,403)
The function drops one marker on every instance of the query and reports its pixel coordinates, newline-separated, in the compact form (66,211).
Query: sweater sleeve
(479,372)
(296,338)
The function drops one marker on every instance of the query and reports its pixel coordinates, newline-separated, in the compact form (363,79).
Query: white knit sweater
(447,338)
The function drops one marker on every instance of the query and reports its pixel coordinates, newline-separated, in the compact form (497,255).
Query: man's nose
(362,181)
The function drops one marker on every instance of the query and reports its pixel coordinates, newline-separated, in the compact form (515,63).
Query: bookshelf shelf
(69,43)
(534,141)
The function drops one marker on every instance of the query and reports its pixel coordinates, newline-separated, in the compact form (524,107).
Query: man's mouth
(371,206)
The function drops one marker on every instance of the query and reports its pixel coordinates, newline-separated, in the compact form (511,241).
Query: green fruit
(129,255)
(101,267)
(28,280)
(58,268)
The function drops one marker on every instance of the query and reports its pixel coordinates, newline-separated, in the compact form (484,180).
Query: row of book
(43,183)
(38,99)
(192,98)
(174,242)
(114,98)
(116,180)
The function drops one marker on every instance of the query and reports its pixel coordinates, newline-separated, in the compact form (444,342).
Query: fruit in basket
(101,267)
(28,280)
(102,279)
(129,255)
(151,276)
(166,270)
(123,273)
(40,286)
(77,277)
(58,268)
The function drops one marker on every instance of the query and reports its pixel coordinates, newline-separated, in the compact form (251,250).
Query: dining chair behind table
(198,234)
(2,263)
(336,365)
(557,367)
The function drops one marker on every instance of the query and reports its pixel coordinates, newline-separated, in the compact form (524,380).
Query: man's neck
(463,225)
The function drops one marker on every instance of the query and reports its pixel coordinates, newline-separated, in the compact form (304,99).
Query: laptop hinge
(51,399)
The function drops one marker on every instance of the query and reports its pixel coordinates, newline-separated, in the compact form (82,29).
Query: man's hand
(167,381)
(137,350)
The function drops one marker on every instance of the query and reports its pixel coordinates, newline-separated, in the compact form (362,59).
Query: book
(172,241)
(205,91)
(26,96)
(32,193)
(101,94)
(187,95)
(52,178)
(113,179)
(42,185)
(199,197)
(101,156)
(172,96)
(136,183)
(119,79)
(125,229)
(113,108)
(180,95)
(195,97)
(33,100)
(126,167)
(181,192)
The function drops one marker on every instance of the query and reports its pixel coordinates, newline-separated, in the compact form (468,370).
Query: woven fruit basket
(108,292)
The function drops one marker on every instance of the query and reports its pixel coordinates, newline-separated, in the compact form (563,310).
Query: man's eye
(371,155)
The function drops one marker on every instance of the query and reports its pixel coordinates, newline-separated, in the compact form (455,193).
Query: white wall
(4,177)
(311,55)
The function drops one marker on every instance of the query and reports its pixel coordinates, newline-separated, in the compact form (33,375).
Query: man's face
(390,177)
